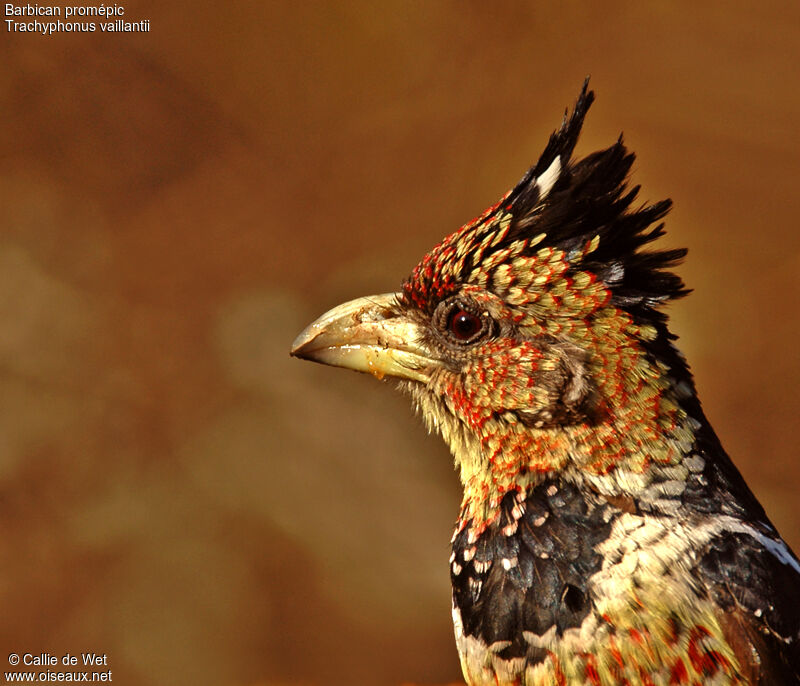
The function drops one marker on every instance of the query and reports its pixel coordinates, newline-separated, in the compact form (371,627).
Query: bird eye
(460,323)
(464,325)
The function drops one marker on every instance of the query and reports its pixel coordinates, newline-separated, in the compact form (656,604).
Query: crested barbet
(604,537)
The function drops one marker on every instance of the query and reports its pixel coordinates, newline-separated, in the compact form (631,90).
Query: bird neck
(644,426)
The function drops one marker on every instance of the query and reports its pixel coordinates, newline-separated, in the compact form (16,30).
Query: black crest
(572,202)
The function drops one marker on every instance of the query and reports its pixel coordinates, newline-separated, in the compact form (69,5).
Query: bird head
(532,338)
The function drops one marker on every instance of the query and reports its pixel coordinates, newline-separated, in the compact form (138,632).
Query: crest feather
(539,179)
(583,208)
(589,200)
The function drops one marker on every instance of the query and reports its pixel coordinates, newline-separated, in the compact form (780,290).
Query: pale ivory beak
(367,335)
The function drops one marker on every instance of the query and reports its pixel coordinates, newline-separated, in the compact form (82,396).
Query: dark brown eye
(464,325)
(461,322)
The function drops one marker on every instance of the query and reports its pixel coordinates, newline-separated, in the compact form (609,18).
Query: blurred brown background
(174,490)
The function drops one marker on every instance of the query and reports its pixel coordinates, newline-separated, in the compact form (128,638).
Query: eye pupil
(464,324)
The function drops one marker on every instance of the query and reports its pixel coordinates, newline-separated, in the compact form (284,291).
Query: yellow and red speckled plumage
(566,304)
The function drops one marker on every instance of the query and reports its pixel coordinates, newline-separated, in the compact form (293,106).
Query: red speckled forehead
(442,270)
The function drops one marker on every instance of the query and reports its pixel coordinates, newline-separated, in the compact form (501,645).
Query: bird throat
(641,427)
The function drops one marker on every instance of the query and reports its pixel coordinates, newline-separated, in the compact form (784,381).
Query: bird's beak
(367,335)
